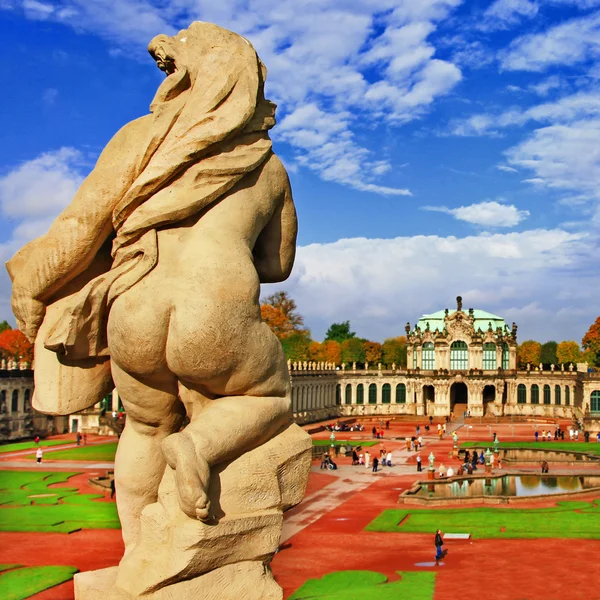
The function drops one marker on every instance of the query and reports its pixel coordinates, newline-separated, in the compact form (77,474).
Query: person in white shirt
(442,471)
(367,459)
(389,459)
(450,472)
(571,433)
(38,455)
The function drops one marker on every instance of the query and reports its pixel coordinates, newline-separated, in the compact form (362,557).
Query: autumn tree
(13,344)
(548,354)
(373,352)
(353,351)
(568,352)
(331,352)
(287,306)
(394,351)
(529,352)
(591,342)
(4,325)
(314,352)
(339,332)
(274,317)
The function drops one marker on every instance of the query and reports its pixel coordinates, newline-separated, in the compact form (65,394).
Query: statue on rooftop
(149,281)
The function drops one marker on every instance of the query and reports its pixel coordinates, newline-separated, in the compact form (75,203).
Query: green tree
(568,352)
(339,332)
(548,355)
(296,346)
(353,350)
(394,351)
(4,326)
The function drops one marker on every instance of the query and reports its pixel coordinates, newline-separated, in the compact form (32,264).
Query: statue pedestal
(332,451)
(430,473)
(454,452)
(488,469)
(178,558)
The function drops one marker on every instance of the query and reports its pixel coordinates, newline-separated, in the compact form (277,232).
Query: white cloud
(506,169)
(567,44)
(505,13)
(49,96)
(547,85)
(379,284)
(487,214)
(356,61)
(41,187)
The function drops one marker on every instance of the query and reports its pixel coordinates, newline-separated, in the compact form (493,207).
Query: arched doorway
(489,397)
(459,397)
(428,398)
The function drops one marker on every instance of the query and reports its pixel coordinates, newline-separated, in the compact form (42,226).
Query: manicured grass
(364,443)
(27,445)
(566,520)
(97,452)
(589,447)
(20,583)
(27,503)
(367,585)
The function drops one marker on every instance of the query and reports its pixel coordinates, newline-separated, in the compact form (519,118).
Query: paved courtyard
(350,538)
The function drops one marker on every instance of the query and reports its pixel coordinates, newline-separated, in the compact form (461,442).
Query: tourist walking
(37,440)
(537,435)
(38,456)
(439,542)
(112,488)
(389,459)
(419,462)
(78,438)
(354,457)
(367,459)
(361,459)
(375,463)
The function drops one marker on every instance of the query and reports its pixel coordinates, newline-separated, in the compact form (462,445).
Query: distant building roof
(482,320)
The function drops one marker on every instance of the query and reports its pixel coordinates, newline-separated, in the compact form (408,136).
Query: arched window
(3,399)
(489,357)
(373,393)
(557,399)
(15,401)
(535,394)
(521,394)
(567,396)
(27,400)
(360,394)
(348,394)
(505,356)
(400,394)
(595,401)
(428,356)
(459,356)
(338,394)
(547,398)
(386,393)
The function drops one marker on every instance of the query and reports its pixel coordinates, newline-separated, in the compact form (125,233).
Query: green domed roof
(482,320)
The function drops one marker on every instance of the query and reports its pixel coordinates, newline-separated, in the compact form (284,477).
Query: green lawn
(27,445)
(365,443)
(589,447)
(28,503)
(367,585)
(18,582)
(96,453)
(567,520)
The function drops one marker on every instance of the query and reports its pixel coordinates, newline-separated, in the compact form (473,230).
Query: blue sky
(435,148)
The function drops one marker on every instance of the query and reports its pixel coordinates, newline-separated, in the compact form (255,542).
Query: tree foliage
(287,306)
(394,351)
(331,351)
(529,352)
(13,344)
(274,317)
(296,347)
(314,351)
(339,332)
(548,354)
(591,342)
(353,351)
(373,352)
(568,352)
(4,325)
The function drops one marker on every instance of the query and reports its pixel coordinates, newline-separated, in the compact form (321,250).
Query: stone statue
(149,281)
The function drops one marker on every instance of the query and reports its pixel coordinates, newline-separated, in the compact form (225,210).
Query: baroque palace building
(458,362)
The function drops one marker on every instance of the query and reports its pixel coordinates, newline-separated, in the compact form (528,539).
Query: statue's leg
(153,412)
(223,429)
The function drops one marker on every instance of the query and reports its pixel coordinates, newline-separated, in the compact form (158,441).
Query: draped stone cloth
(209,129)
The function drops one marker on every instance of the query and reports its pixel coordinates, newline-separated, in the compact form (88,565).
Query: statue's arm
(275,248)
(75,237)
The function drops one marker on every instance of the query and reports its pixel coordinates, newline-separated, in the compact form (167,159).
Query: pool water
(509,485)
